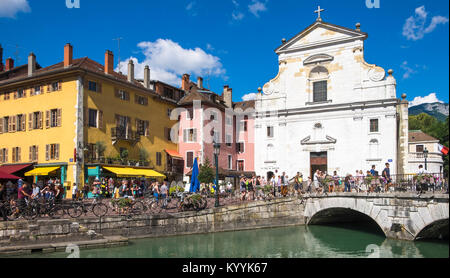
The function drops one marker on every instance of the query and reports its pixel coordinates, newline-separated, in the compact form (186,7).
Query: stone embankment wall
(277,213)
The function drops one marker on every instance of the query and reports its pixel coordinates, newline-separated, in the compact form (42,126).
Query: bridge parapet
(399,215)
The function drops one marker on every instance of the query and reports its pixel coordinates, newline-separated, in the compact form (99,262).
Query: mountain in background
(437,110)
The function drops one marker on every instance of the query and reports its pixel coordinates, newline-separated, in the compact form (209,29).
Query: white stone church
(329,109)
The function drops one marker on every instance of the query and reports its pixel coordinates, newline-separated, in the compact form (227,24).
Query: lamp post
(425,155)
(216,158)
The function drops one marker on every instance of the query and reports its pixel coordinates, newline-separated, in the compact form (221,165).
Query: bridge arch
(408,217)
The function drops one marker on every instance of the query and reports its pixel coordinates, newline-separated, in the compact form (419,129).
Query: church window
(320,91)
(374,125)
(270,131)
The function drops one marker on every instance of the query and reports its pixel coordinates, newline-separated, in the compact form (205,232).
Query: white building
(329,109)
(418,143)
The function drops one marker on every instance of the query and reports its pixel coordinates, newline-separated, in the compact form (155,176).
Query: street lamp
(216,158)
(425,155)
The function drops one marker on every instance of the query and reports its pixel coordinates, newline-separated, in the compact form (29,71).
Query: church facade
(329,109)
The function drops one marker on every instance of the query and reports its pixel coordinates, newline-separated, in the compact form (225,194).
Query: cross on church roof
(318,12)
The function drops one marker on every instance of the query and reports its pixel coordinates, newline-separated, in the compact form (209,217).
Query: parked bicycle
(95,206)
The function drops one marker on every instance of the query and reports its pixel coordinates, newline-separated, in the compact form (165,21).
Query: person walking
(3,200)
(387,177)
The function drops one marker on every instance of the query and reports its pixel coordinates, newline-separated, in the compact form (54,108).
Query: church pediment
(327,140)
(318,58)
(320,34)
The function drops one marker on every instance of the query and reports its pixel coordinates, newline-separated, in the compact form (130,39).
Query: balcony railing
(421,156)
(124,134)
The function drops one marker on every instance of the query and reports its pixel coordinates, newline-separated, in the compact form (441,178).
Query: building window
(4,155)
(37,90)
(92,118)
(34,153)
(374,125)
(189,159)
(92,86)
(20,93)
(419,149)
(320,91)
(216,137)
(190,135)
(6,96)
(55,86)
(214,116)
(229,140)
(229,120)
(270,133)
(6,124)
(16,155)
(54,118)
(20,122)
(36,121)
(240,147)
(230,162)
(240,165)
(52,152)
(168,92)
(142,127)
(158,159)
(123,95)
(141,100)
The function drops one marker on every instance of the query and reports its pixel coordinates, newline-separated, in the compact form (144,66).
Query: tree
(206,173)
(101,148)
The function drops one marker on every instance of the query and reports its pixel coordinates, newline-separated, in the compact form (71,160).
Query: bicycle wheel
(155,207)
(75,211)
(10,212)
(100,210)
(56,212)
(138,208)
(30,212)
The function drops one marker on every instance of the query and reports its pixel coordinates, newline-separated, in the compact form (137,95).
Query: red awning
(174,154)
(10,169)
(6,176)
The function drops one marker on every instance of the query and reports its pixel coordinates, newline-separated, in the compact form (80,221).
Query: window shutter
(30,121)
(59,117)
(86,116)
(6,155)
(137,125)
(37,153)
(59,85)
(40,120)
(57,151)
(47,152)
(116,92)
(147,125)
(185,135)
(13,155)
(15,95)
(19,158)
(49,88)
(17,123)
(24,93)
(1,125)
(47,119)
(30,157)
(24,121)
(100,119)
(127,96)
(9,124)
(42,89)
(32,92)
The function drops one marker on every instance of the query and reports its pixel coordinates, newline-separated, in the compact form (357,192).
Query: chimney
(31,64)
(228,96)
(109,62)
(9,64)
(185,82)
(130,71)
(1,58)
(68,55)
(147,77)
(200,82)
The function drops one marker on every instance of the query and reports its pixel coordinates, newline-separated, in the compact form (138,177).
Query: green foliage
(206,173)
(124,154)
(101,148)
(433,127)
(174,189)
(143,154)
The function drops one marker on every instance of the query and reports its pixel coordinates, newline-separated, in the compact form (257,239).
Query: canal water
(289,242)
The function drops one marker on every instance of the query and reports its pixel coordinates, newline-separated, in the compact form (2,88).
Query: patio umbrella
(5,176)
(195,183)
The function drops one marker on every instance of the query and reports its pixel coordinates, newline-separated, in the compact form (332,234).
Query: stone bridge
(404,216)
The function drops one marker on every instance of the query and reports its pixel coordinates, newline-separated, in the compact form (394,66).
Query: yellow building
(78,118)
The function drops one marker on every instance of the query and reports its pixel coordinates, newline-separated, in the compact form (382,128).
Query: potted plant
(100,146)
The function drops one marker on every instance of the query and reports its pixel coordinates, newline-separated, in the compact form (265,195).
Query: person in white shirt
(421,170)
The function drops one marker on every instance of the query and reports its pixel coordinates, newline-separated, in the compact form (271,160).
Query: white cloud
(431,98)
(9,8)
(257,6)
(247,97)
(236,15)
(168,61)
(408,70)
(414,28)
(191,8)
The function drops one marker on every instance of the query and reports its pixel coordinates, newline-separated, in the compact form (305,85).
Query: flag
(195,183)
(443,149)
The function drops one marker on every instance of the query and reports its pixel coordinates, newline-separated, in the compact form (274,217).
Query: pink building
(205,117)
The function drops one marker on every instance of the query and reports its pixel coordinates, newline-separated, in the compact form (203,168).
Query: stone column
(403,140)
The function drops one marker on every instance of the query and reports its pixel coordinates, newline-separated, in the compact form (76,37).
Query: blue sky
(231,41)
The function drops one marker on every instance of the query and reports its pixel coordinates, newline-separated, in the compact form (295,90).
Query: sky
(230,42)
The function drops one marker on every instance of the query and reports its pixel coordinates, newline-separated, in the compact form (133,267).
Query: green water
(289,242)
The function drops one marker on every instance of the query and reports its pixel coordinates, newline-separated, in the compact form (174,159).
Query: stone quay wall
(262,214)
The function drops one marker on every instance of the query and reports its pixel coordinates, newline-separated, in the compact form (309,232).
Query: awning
(6,176)
(43,171)
(174,154)
(134,172)
(10,169)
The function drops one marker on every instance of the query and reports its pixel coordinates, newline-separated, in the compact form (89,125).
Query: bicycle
(192,202)
(50,207)
(79,207)
(15,211)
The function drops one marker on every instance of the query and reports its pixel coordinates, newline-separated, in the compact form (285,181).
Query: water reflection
(289,242)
